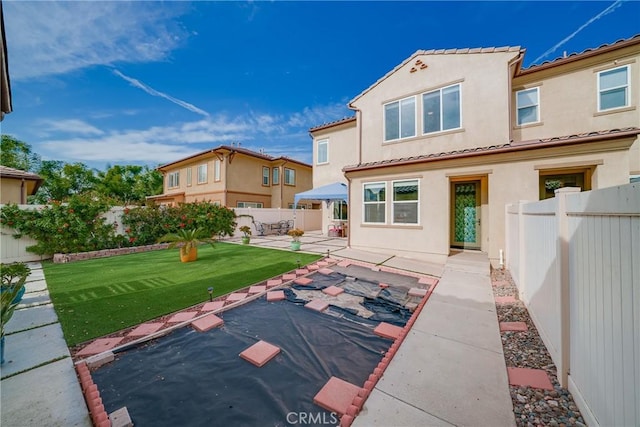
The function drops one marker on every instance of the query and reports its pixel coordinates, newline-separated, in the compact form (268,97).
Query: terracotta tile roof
(7,172)
(581,55)
(500,148)
(440,52)
(333,123)
(232,148)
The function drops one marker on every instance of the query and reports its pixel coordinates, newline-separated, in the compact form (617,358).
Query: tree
(18,154)
(129,184)
(62,180)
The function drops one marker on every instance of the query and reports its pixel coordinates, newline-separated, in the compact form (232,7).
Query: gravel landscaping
(531,407)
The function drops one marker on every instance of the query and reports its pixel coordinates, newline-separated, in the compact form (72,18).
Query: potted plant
(295,234)
(246,231)
(11,293)
(188,240)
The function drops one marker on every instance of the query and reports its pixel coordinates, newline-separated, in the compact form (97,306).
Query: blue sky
(148,83)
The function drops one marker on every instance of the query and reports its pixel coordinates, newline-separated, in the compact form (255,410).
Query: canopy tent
(330,192)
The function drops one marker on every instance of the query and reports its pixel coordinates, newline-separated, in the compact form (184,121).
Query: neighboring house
(5,84)
(234,177)
(16,185)
(442,142)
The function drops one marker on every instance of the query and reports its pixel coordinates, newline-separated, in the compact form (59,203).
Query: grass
(100,296)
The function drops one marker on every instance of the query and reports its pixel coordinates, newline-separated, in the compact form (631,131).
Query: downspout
(359,126)
(281,182)
(23,193)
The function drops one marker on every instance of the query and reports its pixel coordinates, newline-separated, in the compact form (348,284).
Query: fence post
(562,279)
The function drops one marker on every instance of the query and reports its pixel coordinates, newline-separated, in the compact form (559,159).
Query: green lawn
(97,297)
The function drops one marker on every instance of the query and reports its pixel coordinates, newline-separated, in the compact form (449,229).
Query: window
(202,174)
(216,169)
(323,151)
(441,109)
(527,102)
(173,179)
(340,210)
(188,177)
(613,88)
(249,205)
(405,202)
(400,119)
(265,175)
(550,181)
(289,176)
(276,176)
(374,203)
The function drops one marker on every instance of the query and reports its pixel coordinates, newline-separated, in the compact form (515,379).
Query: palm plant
(188,240)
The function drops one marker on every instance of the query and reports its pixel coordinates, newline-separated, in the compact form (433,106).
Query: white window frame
(323,143)
(365,203)
(173,179)
(520,107)
(266,176)
(440,90)
(384,119)
(627,87)
(202,173)
(394,202)
(189,178)
(217,166)
(255,205)
(288,176)
(275,178)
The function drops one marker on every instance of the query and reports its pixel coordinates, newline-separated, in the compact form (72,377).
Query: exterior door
(466,214)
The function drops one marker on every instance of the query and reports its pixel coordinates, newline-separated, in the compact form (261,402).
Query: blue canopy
(335,191)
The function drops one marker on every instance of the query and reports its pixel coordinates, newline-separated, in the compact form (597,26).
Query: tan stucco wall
(509,178)
(484,80)
(10,191)
(343,150)
(569,100)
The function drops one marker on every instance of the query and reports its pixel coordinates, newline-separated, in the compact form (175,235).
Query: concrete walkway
(39,384)
(450,369)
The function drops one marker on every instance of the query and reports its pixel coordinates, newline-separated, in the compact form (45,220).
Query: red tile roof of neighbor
(236,149)
(333,123)
(501,148)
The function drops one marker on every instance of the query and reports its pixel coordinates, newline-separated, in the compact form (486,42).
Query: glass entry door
(466,214)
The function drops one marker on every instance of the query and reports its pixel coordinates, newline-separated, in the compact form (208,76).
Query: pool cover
(197,379)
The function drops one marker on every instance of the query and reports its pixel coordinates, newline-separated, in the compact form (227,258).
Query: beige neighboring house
(16,185)
(440,144)
(234,177)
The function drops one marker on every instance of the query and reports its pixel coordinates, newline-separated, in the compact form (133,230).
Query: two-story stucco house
(234,177)
(443,141)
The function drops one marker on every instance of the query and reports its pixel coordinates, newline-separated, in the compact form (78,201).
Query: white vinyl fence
(15,250)
(576,262)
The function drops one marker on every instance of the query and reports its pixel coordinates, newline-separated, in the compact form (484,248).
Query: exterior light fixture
(210,290)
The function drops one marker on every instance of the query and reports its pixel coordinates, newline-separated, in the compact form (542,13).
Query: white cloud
(48,38)
(278,135)
(71,126)
(151,91)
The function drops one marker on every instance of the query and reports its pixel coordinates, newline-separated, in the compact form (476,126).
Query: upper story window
(189,177)
(441,109)
(217,164)
(323,151)
(289,176)
(276,176)
(527,105)
(400,119)
(173,179)
(375,204)
(202,174)
(405,202)
(265,175)
(613,88)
